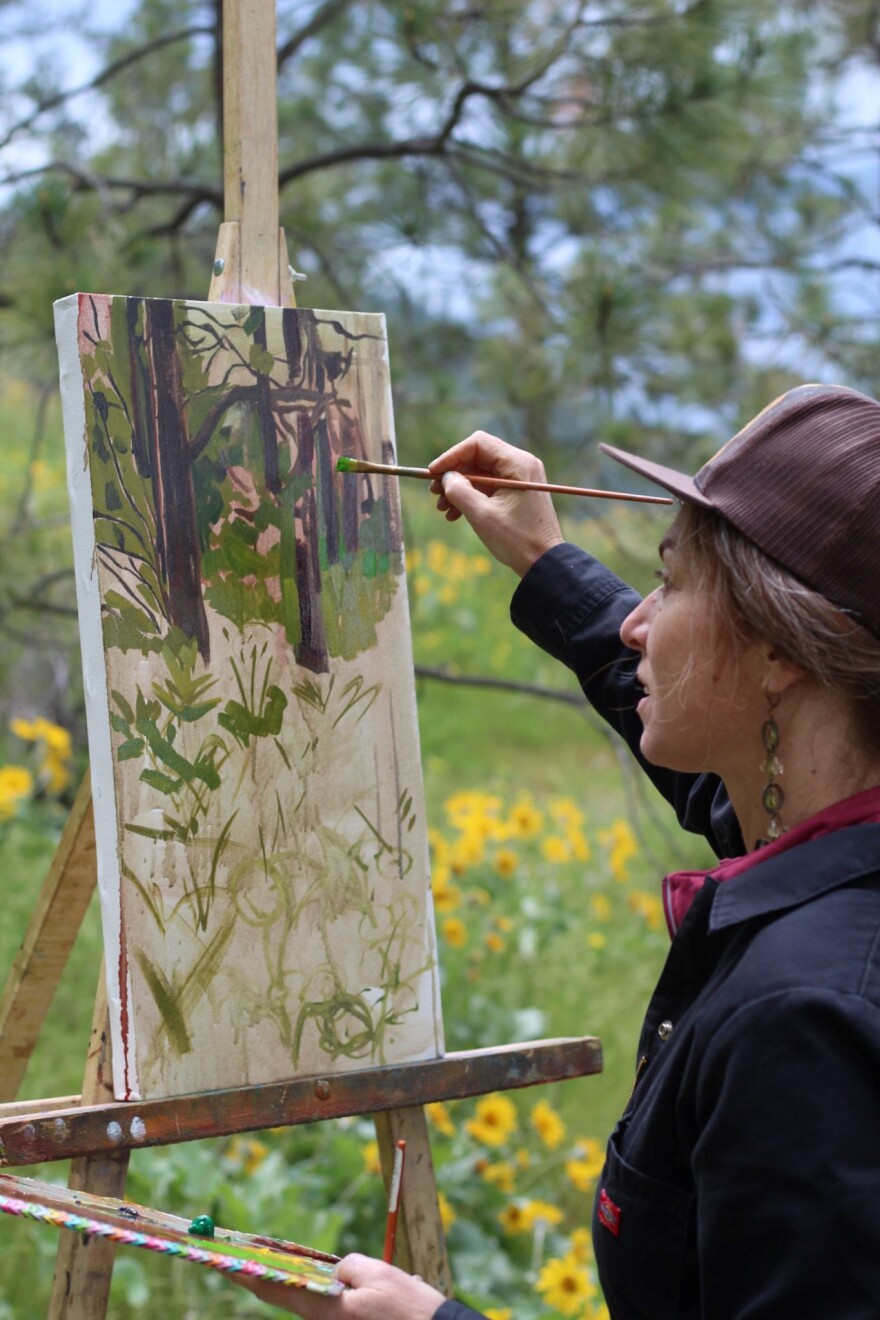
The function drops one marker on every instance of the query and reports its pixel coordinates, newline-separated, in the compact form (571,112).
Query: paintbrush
(495,483)
(394,1202)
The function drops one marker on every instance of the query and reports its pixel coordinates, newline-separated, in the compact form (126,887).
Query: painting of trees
(250,677)
(217,452)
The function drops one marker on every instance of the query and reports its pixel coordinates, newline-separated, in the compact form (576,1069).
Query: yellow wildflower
(542,1212)
(55,773)
(447,896)
(555,849)
(503,923)
(582,1245)
(512,1218)
(580,848)
(565,1284)
(56,746)
(447,595)
(447,1214)
(459,566)
(494,942)
(463,808)
(621,844)
(255,1153)
(600,906)
(494,1120)
(479,896)
(481,565)
(548,1125)
(566,813)
(437,556)
(500,1175)
(466,852)
(506,862)
(16,784)
(439,845)
(647,906)
(372,1163)
(247,1153)
(525,821)
(585,1164)
(499,1313)
(439,1115)
(454,932)
(596,939)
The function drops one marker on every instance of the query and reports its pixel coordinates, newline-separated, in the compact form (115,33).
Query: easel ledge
(63,1130)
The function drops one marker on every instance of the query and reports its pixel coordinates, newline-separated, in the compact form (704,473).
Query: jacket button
(664,1031)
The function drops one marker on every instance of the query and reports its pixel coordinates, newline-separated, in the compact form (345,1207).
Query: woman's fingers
(490,456)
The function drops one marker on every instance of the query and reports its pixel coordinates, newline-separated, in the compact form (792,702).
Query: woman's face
(703,702)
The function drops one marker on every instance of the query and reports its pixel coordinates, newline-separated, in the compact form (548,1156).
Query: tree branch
(111,70)
(319,19)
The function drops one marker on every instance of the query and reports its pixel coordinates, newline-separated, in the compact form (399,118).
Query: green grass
(310,1183)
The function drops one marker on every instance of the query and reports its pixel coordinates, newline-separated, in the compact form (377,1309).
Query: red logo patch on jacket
(608,1213)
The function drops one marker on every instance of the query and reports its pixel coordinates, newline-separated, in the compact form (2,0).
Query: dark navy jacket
(743,1180)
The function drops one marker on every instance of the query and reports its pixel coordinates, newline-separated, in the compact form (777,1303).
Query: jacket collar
(797,875)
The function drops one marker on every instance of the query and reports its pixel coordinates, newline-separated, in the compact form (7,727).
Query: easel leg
(85,1265)
(421,1241)
(48,941)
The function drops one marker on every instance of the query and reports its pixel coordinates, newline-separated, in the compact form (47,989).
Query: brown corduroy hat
(802,481)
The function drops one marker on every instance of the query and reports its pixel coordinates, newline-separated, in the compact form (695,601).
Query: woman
(743,1179)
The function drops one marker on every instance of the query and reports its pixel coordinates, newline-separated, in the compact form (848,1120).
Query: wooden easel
(95,1131)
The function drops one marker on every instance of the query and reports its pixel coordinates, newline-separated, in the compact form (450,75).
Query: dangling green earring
(773,797)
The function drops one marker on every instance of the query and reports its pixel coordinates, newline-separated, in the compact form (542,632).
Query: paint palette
(132,1225)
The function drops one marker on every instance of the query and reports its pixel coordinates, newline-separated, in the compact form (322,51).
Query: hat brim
(677,483)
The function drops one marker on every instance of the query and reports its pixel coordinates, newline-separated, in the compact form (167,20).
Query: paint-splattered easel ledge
(496,483)
(132,1225)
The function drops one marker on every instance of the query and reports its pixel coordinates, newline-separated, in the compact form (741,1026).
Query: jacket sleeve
(456,1311)
(572,606)
(787,1162)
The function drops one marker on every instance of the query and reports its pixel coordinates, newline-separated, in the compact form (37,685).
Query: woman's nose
(634,629)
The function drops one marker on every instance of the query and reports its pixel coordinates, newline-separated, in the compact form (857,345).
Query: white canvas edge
(73,411)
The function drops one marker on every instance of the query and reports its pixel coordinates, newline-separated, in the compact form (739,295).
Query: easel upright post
(251,263)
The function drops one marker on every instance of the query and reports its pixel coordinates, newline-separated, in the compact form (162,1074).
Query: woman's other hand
(517,527)
(376,1291)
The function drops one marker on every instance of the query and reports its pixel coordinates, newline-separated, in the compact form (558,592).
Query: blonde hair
(761,601)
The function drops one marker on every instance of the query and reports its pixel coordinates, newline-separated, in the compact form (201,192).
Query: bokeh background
(626,220)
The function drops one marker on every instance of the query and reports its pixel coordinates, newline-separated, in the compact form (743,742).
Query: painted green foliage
(219,487)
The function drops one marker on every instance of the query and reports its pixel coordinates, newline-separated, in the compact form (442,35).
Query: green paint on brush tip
(345,464)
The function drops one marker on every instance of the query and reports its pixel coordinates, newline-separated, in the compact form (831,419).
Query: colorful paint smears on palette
(252,726)
(231,1258)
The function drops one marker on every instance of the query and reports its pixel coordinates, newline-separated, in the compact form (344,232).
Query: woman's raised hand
(376,1291)
(517,527)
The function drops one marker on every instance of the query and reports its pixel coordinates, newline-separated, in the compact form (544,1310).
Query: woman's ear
(780,674)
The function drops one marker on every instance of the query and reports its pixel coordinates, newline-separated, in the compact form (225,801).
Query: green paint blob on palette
(239,1253)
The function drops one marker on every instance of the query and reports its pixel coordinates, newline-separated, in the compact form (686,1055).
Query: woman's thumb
(461,493)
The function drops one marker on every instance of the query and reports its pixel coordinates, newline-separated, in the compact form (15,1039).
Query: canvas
(263,862)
